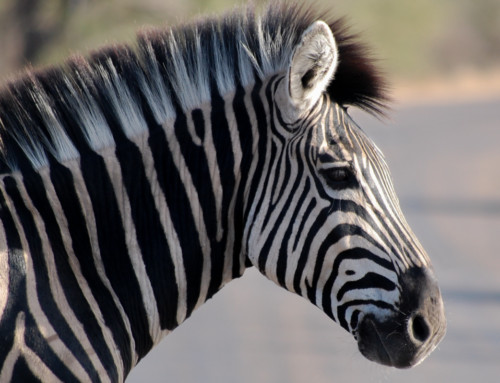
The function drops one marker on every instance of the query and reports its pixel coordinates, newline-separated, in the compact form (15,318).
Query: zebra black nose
(418,328)
(407,337)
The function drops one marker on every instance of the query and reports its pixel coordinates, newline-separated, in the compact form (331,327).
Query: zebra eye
(338,175)
(339,178)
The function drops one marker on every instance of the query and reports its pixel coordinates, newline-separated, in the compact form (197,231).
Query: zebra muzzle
(406,338)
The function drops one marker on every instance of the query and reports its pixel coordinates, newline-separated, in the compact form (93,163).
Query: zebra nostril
(419,328)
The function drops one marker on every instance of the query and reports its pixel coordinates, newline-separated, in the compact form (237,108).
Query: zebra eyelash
(339,176)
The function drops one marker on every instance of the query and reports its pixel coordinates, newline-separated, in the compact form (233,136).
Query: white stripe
(196,210)
(213,168)
(4,270)
(77,272)
(133,250)
(292,262)
(249,107)
(237,155)
(86,205)
(55,285)
(35,364)
(43,324)
(168,229)
(192,130)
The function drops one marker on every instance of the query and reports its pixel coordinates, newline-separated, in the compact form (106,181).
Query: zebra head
(326,222)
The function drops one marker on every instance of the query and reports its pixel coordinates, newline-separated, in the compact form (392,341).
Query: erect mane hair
(89,103)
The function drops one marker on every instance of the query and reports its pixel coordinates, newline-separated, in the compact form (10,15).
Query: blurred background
(442,143)
(445,39)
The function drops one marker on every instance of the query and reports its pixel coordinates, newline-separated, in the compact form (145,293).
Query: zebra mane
(59,112)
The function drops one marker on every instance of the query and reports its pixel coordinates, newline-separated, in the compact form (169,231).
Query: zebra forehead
(343,135)
(179,66)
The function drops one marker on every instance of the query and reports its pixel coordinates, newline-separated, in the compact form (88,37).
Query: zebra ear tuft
(313,65)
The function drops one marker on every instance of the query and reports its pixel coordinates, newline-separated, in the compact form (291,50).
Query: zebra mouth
(370,343)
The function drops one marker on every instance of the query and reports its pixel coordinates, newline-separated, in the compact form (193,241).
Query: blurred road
(445,161)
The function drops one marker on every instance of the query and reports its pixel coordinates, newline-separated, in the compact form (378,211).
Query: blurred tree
(413,38)
(29,26)
(485,20)
(470,37)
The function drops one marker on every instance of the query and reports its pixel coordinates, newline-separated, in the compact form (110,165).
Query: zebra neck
(211,157)
(132,238)
(184,209)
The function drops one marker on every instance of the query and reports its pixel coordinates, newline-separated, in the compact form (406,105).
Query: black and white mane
(58,113)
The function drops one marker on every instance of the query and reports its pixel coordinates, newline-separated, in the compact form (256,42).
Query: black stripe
(341,310)
(79,305)
(180,212)
(270,96)
(260,115)
(280,219)
(197,164)
(277,136)
(364,145)
(262,199)
(38,344)
(114,253)
(355,253)
(289,127)
(335,235)
(164,284)
(278,157)
(149,231)
(32,338)
(369,281)
(169,300)
(64,186)
(348,206)
(271,170)
(16,299)
(246,141)
(22,373)
(402,244)
(303,220)
(199,123)
(225,159)
(283,255)
(305,251)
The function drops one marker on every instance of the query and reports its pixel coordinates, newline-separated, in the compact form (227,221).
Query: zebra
(137,181)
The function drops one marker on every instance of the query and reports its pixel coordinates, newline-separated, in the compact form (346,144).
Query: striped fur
(137,182)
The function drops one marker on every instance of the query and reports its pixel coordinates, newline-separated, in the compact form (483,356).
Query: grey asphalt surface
(445,161)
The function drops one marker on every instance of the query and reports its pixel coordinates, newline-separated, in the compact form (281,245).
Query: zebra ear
(313,65)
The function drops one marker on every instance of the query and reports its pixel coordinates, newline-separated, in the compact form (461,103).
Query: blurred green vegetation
(411,39)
